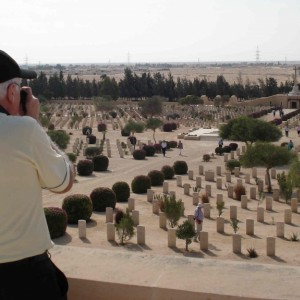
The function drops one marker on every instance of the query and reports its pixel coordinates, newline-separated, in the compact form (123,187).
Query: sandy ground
(220,245)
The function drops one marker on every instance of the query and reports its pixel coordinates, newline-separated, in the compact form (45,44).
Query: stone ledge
(101,274)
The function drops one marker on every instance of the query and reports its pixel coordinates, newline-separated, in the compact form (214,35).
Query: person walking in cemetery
(290,145)
(220,143)
(30,162)
(180,147)
(286,129)
(164,147)
(198,217)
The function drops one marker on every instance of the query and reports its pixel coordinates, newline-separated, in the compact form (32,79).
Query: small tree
(173,210)
(153,124)
(132,127)
(285,185)
(234,224)
(249,130)
(220,207)
(125,228)
(186,232)
(266,155)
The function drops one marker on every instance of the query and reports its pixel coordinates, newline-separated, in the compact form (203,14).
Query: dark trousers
(33,278)
(164,151)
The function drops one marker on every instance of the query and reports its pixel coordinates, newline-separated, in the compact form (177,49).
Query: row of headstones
(141,232)
(233,208)
(77,146)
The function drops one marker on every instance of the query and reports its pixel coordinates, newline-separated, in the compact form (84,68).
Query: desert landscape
(233,72)
(220,244)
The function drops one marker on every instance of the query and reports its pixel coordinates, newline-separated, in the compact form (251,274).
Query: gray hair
(4,85)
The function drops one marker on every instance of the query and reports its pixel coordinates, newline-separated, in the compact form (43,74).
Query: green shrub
(122,191)
(149,149)
(60,138)
(77,207)
(186,232)
(92,151)
(125,228)
(139,154)
(140,184)
(173,209)
(56,220)
(156,177)
(168,172)
(86,130)
(103,197)
(85,167)
(232,163)
(180,167)
(100,163)
(72,157)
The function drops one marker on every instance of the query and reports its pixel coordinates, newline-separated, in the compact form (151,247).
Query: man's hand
(32,104)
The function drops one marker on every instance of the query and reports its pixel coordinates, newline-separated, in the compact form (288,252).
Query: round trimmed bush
(122,191)
(180,167)
(172,144)
(232,163)
(92,151)
(103,197)
(157,177)
(85,167)
(149,149)
(100,163)
(86,130)
(226,149)
(140,184)
(56,220)
(168,172)
(139,154)
(206,157)
(167,127)
(92,139)
(102,127)
(77,207)
(219,151)
(233,146)
(125,133)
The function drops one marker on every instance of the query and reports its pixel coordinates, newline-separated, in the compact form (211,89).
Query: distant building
(293,100)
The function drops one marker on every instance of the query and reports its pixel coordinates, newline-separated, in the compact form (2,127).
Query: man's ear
(11,93)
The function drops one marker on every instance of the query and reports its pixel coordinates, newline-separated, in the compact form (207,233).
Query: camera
(23,95)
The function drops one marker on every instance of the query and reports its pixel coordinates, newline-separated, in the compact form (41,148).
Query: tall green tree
(249,130)
(152,106)
(266,155)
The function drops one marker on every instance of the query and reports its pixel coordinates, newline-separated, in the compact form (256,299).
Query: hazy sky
(68,31)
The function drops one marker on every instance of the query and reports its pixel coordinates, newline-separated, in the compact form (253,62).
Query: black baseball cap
(9,69)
